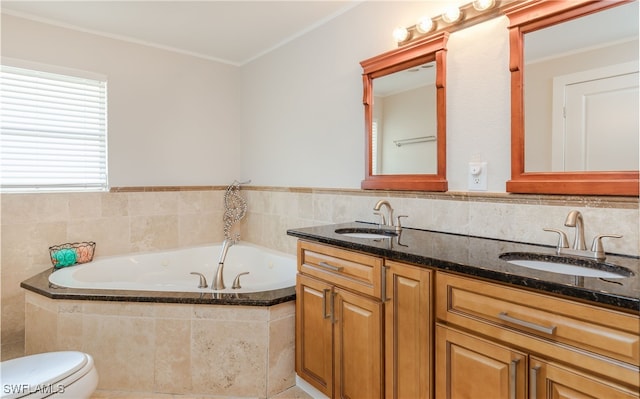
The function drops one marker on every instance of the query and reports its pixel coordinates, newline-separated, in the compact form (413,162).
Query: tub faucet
(218,280)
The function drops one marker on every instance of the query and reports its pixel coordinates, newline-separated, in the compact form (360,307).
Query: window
(53,131)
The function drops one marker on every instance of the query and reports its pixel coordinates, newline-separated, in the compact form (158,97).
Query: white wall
(172,119)
(303,102)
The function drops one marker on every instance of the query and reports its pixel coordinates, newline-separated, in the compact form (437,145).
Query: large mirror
(574,77)
(404,100)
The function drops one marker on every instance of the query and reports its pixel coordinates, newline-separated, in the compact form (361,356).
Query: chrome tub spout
(218,280)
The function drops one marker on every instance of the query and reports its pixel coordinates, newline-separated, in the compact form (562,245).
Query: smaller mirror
(405,117)
(404,130)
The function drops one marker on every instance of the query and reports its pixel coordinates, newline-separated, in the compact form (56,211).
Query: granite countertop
(479,257)
(40,284)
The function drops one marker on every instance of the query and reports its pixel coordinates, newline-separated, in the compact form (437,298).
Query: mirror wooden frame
(527,17)
(429,49)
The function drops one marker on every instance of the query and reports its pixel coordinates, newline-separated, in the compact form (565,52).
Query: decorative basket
(68,254)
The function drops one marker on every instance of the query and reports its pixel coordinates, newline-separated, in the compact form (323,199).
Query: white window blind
(53,131)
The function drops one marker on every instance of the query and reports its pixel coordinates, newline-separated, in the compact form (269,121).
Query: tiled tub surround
(172,348)
(479,257)
(146,219)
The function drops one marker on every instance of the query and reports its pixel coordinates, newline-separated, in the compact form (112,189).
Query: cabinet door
(470,367)
(314,339)
(408,332)
(552,381)
(357,346)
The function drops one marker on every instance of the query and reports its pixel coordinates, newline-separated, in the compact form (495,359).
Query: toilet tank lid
(39,372)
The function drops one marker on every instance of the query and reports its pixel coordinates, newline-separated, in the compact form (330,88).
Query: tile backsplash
(127,221)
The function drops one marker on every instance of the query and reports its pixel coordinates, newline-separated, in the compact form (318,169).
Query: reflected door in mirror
(574,97)
(581,94)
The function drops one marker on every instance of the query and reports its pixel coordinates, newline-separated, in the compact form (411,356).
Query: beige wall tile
(199,229)
(153,203)
(282,310)
(34,208)
(12,350)
(173,311)
(85,206)
(151,233)
(115,204)
(41,330)
(111,235)
(123,349)
(229,357)
(172,356)
(69,331)
(281,355)
(127,309)
(231,313)
(25,247)
(197,202)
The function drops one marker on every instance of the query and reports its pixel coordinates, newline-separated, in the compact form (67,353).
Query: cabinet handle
(332,307)
(324,303)
(513,373)
(547,330)
(533,381)
(330,267)
(384,284)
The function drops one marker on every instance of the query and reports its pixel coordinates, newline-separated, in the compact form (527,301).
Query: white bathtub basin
(171,270)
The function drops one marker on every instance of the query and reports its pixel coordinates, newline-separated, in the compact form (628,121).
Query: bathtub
(151,329)
(170,271)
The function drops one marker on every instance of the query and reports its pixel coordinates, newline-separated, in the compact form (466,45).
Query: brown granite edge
(529,199)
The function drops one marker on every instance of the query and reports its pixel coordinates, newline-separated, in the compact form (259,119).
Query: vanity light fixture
(401,34)
(481,5)
(425,25)
(451,15)
(452,19)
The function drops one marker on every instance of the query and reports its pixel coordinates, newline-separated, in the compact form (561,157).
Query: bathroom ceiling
(233,32)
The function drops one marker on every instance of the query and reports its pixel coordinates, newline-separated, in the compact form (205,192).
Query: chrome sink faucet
(388,221)
(218,280)
(574,219)
(378,206)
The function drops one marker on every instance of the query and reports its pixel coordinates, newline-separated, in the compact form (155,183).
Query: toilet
(67,374)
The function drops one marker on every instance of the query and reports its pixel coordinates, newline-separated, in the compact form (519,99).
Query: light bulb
(481,5)
(451,14)
(424,25)
(400,34)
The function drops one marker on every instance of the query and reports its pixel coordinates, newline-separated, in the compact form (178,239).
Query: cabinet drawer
(352,270)
(471,303)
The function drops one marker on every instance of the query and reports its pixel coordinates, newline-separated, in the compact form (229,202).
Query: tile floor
(291,393)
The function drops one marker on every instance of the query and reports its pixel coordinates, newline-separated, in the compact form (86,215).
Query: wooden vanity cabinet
(500,341)
(339,321)
(408,332)
(471,367)
(555,381)
(363,325)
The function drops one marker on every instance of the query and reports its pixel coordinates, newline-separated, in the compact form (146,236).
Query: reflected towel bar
(400,143)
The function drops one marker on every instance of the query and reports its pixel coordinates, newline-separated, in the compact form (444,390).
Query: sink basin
(566,265)
(368,233)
